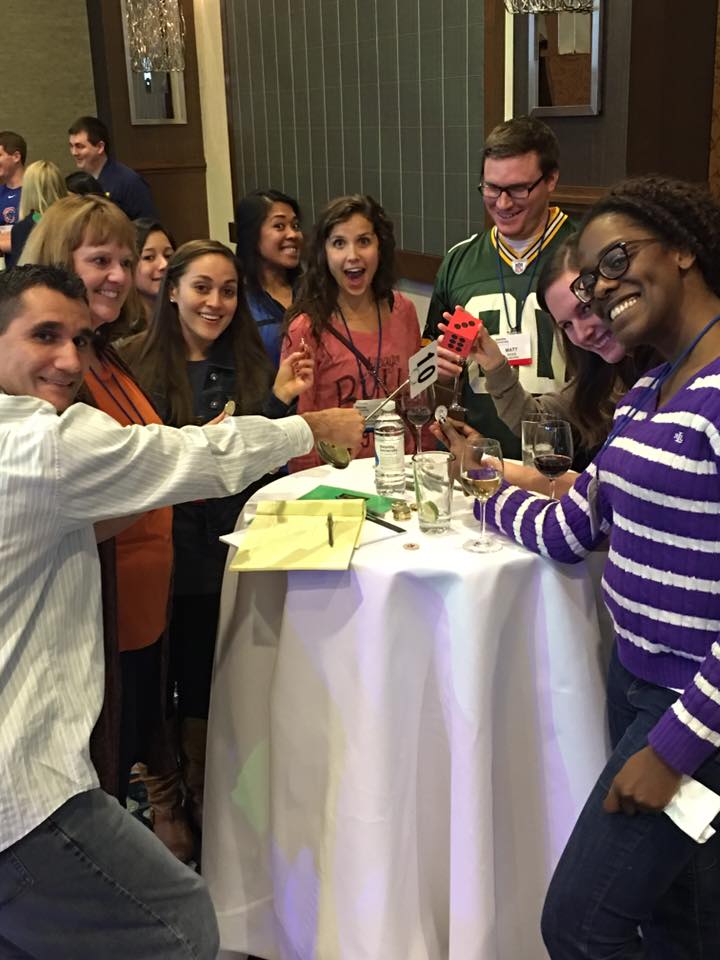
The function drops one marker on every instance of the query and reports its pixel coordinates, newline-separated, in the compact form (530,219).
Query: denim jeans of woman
(634,888)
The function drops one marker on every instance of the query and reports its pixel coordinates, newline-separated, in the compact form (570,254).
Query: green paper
(373,502)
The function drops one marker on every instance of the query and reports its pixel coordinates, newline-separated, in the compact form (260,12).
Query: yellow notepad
(293,535)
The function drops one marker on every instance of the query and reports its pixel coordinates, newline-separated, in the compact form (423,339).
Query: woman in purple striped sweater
(649,255)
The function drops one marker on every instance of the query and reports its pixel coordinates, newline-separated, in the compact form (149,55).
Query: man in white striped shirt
(79,877)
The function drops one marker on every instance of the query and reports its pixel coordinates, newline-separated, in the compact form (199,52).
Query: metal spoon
(339,457)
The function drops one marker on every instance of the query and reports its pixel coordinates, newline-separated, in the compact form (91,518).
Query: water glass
(434,490)
(527,433)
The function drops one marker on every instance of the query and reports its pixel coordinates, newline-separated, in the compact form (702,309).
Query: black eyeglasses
(516,191)
(612,265)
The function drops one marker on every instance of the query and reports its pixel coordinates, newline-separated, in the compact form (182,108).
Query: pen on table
(384,523)
(330,526)
(373,517)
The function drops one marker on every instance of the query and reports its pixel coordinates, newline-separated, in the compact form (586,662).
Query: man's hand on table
(344,428)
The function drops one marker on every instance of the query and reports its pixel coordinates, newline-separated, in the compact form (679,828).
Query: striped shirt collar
(556,219)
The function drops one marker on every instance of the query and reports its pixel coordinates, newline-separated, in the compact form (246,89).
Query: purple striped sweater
(658,498)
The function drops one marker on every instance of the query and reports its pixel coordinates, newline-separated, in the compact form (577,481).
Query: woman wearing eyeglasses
(649,265)
(599,370)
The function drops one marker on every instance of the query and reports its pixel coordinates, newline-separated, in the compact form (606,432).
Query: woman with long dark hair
(360,329)
(269,246)
(201,351)
(598,368)
(599,371)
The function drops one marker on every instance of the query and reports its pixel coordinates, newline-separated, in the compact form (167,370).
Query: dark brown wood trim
(577,200)
(156,167)
(494,64)
(420,267)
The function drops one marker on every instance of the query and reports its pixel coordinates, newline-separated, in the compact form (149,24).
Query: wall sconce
(155,31)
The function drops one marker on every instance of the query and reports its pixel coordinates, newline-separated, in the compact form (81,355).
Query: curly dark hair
(250,214)
(685,216)
(318,293)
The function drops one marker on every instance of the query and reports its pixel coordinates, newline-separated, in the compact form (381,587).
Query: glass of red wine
(552,450)
(418,411)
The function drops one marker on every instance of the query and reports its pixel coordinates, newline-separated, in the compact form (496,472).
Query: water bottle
(389,453)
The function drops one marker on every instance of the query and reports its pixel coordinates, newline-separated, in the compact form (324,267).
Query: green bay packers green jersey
(483,275)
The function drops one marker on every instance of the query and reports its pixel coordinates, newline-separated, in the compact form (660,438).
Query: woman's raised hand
(295,375)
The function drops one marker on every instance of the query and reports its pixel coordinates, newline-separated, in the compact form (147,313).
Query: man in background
(494,274)
(90,148)
(13,151)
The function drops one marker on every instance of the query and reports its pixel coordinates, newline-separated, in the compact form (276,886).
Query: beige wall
(211,71)
(47,74)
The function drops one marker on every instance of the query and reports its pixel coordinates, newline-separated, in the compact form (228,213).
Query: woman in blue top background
(269,246)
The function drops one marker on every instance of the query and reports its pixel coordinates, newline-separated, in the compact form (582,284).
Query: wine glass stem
(482,521)
(418,443)
(454,399)
(552,488)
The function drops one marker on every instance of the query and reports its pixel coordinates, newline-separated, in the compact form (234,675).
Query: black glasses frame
(516,191)
(583,286)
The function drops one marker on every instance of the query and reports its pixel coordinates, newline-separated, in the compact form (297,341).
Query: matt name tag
(516,347)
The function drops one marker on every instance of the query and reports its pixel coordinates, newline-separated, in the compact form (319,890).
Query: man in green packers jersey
(494,274)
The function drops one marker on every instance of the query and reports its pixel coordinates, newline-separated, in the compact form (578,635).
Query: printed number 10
(423,369)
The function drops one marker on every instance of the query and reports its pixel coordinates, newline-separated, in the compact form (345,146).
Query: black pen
(384,523)
(330,525)
(371,516)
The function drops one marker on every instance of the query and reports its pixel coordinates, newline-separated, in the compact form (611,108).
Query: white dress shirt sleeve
(105,470)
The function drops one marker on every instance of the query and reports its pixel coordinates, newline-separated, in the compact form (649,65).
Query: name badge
(516,347)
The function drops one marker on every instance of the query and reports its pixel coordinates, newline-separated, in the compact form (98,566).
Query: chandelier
(550,6)
(155,34)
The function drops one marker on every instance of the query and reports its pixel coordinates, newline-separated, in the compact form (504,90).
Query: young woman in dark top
(201,351)
(269,245)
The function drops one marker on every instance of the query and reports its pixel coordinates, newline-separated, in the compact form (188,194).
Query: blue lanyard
(517,327)
(666,371)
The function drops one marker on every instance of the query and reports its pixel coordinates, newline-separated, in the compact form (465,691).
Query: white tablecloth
(397,753)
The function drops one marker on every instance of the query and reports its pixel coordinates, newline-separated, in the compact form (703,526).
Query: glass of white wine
(481,472)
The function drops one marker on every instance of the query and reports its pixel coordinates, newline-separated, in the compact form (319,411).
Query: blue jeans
(91,882)
(621,874)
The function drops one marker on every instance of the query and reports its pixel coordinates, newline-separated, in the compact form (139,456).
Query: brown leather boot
(193,737)
(170,823)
